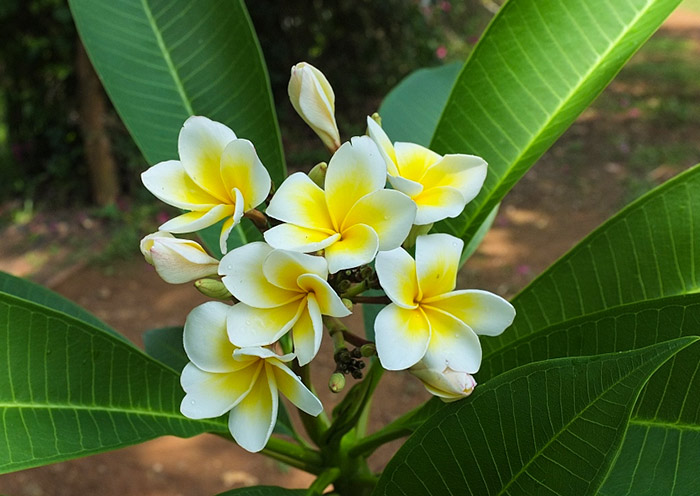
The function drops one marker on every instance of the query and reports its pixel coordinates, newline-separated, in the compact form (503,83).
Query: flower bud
(368,350)
(177,260)
(337,382)
(449,385)
(213,288)
(318,174)
(313,99)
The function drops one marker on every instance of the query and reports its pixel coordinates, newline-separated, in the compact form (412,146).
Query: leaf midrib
(563,102)
(561,431)
(98,408)
(586,317)
(167,58)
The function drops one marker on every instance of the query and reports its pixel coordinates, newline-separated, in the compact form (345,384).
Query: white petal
(308,331)
(241,169)
(355,170)
(359,245)
(486,313)
(466,173)
(206,340)
(389,213)
(437,263)
(406,186)
(382,141)
(209,394)
(248,326)
(295,238)
(231,222)
(253,352)
(201,144)
(291,386)
(301,202)
(181,260)
(282,268)
(435,204)
(242,269)
(329,302)
(169,182)
(414,160)
(396,271)
(195,221)
(147,243)
(452,343)
(252,420)
(402,336)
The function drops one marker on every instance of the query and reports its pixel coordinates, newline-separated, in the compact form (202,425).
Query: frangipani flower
(440,185)
(447,384)
(313,99)
(245,381)
(427,320)
(352,219)
(279,290)
(217,177)
(177,260)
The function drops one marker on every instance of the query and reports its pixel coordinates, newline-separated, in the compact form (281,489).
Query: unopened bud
(337,382)
(368,350)
(318,174)
(376,118)
(313,99)
(213,288)
(347,303)
(177,260)
(344,285)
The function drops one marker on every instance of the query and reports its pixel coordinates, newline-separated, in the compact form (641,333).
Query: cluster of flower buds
(314,263)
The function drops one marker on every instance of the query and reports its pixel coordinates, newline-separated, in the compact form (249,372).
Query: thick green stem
(355,290)
(366,446)
(294,455)
(325,478)
(315,426)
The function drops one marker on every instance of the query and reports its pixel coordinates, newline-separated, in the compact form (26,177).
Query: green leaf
(632,282)
(68,389)
(28,290)
(411,111)
(656,459)
(549,427)
(264,491)
(166,346)
(162,61)
(538,66)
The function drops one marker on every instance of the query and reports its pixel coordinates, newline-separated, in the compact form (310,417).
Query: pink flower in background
(445,6)
(441,52)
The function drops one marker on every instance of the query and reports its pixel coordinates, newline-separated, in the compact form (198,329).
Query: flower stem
(259,219)
(367,445)
(356,290)
(315,426)
(294,455)
(325,478)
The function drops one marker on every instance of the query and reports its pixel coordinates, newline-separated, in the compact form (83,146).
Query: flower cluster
(328,238)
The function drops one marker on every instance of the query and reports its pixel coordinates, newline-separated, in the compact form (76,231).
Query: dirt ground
(553,207)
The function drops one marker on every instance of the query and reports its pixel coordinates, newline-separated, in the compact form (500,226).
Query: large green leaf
(632,282)
(539,64)
(164,60)
(549,427)
(28,290)
(412,109)
(68,389)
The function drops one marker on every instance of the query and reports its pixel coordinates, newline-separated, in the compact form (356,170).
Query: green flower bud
(213,288)
(336,382)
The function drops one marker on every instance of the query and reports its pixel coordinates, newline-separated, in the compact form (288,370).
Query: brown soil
(553,207)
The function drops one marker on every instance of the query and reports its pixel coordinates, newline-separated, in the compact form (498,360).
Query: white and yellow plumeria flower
(177,260)
(245,381)
(279,291)
(352,219)
(440,185)
(427,320)
(447,384)
(217,177)
(312,97)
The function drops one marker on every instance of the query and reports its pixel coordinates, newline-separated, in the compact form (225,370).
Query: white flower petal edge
(402,336)
(177,260)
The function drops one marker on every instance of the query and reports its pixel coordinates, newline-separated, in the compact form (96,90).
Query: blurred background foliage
(363,46)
